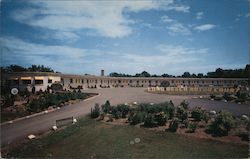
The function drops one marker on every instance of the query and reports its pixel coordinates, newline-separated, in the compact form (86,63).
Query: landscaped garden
(195,122)
(27,103)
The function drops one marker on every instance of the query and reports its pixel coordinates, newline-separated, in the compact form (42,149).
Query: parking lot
(20,129)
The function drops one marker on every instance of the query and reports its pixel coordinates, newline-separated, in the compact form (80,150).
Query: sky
(170,36)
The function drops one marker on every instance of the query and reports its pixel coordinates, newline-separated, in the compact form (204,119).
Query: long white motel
(42,80)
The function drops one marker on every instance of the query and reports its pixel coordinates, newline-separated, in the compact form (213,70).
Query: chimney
(102,72)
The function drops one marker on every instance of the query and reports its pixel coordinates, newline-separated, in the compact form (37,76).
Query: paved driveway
(20,129)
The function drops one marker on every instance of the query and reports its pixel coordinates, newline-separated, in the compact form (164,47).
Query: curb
(40,113)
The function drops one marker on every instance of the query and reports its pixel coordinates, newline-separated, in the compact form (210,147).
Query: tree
(95,112)
(186,75)
(200,75)
(143,74)
(15,68)
(166,75)
(106,108)
(40,68)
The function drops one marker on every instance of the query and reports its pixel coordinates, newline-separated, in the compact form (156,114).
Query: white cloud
(18,50)
(72,60)
(180,8)
(204,27)
(175,27)
(178,28)
(199,15)
(105,18)
(165,18)
(64,35)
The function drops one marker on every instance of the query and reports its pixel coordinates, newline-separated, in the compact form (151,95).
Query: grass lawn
(91,139)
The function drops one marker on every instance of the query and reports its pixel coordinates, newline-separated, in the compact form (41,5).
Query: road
(20,129)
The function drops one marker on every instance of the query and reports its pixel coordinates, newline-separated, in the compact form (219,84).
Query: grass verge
(91,139)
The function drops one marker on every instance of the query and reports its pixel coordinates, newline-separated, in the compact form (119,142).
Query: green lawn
(89,138)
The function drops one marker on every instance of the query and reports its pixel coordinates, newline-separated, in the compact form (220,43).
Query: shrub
(8,101)
(174,124)
(115,113)
(186,123)
(206,117)
(242,95)
(182,113)
(150,121)
(161,118)
(184,104)
(56,87)
(33,106)
(95,112)
(167,107)
(218,98)
(222,124)
(193,126)
(229,97)
(137,118)
(106,108)
(197,113)
(123,109)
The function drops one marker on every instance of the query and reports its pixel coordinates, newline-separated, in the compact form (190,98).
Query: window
(38,81)
(26,81)
(71,80)
(82,80)
(49,80)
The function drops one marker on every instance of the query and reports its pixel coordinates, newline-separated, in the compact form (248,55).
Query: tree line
(32,68)
(218,73)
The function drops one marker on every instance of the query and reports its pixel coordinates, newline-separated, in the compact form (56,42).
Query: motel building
(42,80)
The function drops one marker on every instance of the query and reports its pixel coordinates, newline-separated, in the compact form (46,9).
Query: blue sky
(170,36)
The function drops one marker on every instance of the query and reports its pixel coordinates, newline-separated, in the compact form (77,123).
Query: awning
(39,77)
(50,78)
(25,78)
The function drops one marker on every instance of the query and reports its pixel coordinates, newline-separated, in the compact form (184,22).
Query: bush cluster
(166,107)
(106,108)
(150,121)
(136,118)
(222,124)
(182,113)
(95,112)
(198,113)
(193,126)
(174,125)
(53,99)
